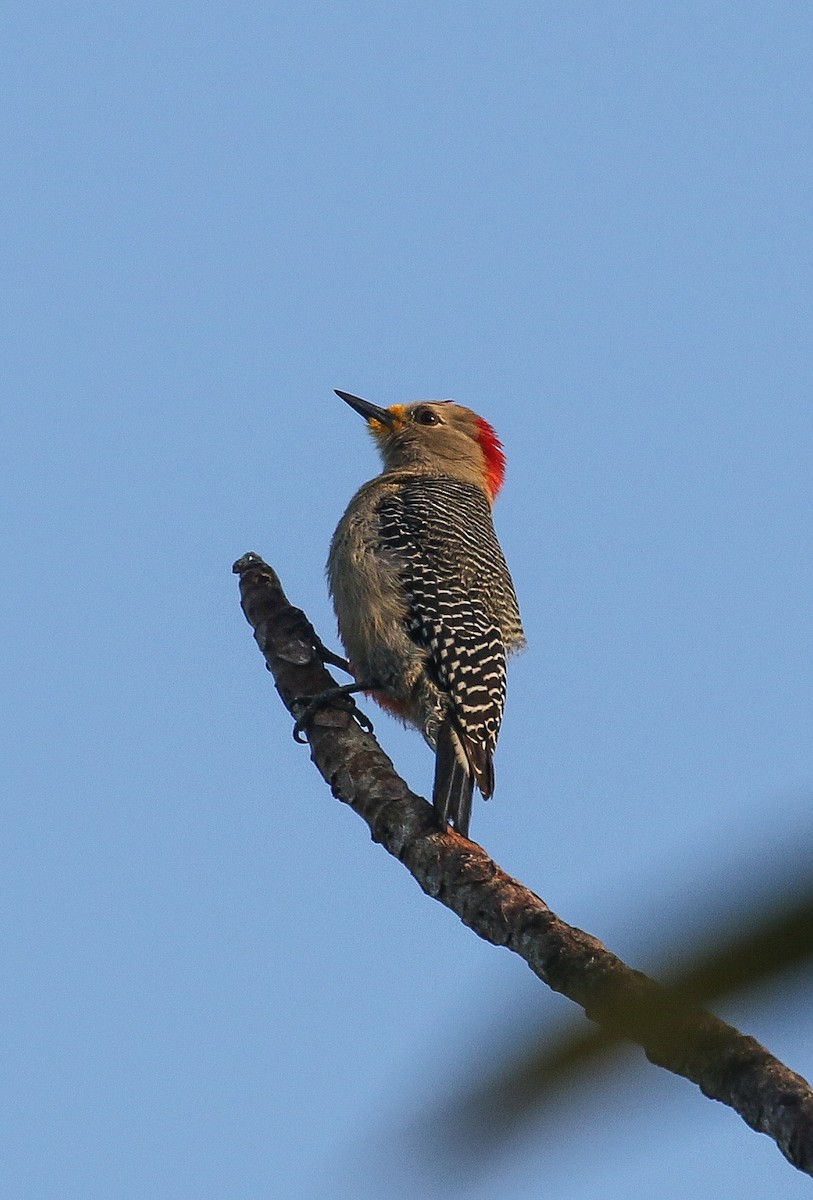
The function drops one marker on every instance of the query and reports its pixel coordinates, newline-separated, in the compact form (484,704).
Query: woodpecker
(424,600)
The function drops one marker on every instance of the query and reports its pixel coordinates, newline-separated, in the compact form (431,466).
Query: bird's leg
(314,703)
(328,657)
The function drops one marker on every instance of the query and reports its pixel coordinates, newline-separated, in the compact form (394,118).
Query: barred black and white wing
(463,611)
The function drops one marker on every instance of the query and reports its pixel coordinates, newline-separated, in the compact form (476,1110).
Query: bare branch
(497,1102)
(725,1064)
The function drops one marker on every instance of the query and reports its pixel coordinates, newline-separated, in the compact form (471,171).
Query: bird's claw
(363,720)
(299,729)
(314,703)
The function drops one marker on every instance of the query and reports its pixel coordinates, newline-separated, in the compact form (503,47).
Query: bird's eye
(425,416)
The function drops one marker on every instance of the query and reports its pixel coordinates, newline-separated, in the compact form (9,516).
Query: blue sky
(589,222)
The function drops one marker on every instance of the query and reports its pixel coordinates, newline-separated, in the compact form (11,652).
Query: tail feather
(454,784)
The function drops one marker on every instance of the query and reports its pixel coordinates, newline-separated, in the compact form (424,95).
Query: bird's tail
(454,780)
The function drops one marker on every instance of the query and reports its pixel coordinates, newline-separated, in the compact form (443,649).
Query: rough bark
(725,1064)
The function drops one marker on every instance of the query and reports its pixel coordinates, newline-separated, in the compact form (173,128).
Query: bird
(425,603)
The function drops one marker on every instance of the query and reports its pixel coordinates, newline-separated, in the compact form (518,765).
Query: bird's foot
(314,703)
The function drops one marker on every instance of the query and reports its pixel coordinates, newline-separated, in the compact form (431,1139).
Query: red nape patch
(491,447)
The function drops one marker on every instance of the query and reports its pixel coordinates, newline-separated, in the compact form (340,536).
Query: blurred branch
(725,1064)
(766,946)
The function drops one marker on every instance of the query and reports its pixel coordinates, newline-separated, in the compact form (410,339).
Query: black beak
(370,412)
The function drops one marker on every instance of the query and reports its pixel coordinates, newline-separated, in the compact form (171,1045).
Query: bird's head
(435,435)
